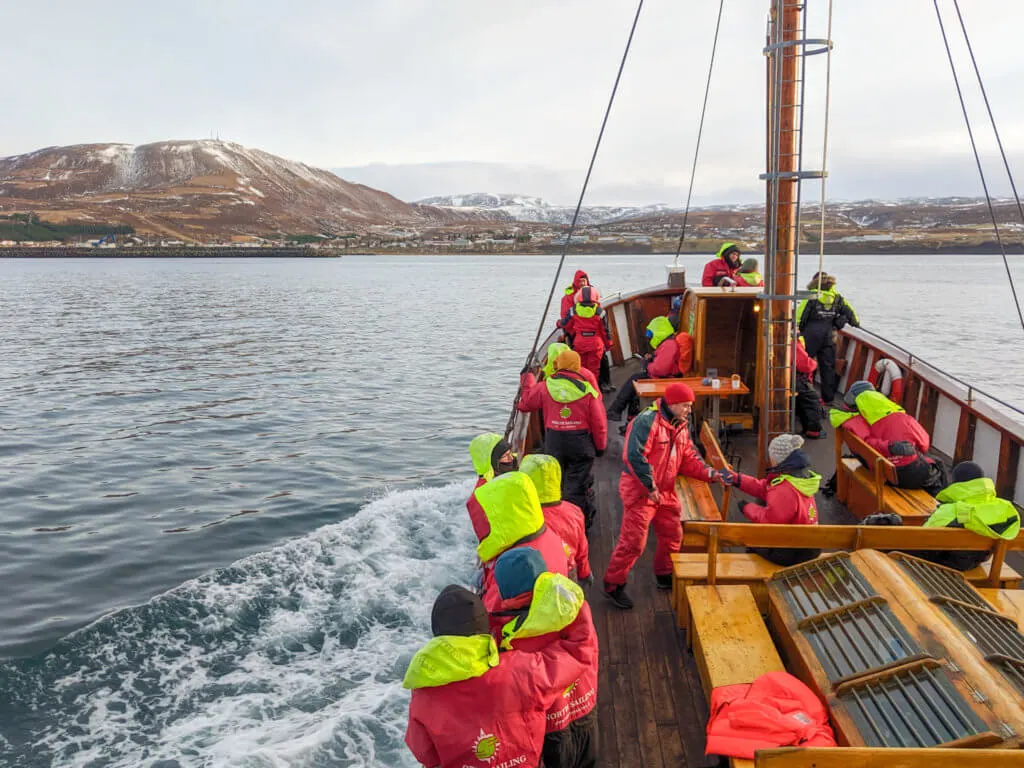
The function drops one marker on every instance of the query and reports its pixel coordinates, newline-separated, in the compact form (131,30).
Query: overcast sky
(426,97)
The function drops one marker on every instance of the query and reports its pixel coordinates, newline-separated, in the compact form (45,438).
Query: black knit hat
(967,470)
(457,611)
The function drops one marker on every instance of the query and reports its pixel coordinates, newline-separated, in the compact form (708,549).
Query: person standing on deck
(556,348)
(657,450)
(721,270)
(817,319)
(515,520)
(575,427)
(788,493)
(587,326)
(472,705)
(579,280)
(563,517)
(492,456)
(539,609)
(893,432)
(808,408)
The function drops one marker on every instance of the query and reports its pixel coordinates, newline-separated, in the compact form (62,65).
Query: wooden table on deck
(650,389)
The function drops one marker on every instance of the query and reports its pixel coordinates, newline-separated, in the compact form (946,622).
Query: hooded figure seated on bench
(788,492)
(970,502)
(893,432)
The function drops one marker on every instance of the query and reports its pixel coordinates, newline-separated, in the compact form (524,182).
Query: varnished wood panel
(840,757)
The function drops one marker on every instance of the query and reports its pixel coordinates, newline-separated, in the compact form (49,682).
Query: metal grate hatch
(995,636)
(859,638)
(822,585)
(910,708)
(936,581)
(1014,672)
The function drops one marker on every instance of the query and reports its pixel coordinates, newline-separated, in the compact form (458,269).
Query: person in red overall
(575,426)
(563,517)
(808,406)
(514,519)
(579,280)
(788,494)
(721,270)
(585,325)
(894,433)
(656,451)
(540,609)
(491,456)
(472,705)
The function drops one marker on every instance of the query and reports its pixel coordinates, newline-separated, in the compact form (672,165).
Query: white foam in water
(293,657)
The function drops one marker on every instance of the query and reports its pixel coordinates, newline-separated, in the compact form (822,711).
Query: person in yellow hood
(970,502)
(492,456)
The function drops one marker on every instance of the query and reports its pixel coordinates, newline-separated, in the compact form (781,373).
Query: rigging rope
(824,146)
(700,131)
(575,215)
(977,157)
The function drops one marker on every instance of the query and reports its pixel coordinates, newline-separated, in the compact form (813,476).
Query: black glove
(600,453)
(526,370)
(587,581)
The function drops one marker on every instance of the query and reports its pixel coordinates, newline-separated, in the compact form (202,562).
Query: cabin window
(910,708)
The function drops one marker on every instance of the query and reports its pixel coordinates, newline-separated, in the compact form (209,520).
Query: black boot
(617,594)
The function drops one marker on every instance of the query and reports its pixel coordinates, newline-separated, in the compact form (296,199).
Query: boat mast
(782,198)
(787,50)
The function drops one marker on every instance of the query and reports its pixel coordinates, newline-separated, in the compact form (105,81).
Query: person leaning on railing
(817,318)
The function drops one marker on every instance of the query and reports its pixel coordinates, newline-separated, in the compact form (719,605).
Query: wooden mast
(780,235)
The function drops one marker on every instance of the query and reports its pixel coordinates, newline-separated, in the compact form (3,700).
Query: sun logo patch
(568,691)
(486,746)
(566,412)
(812,513)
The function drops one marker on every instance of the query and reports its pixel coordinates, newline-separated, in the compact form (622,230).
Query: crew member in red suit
(893,432)
(473,706)
(585,325)
(788,494)
(721,270)
(808,406)
(575,426)
(541,609)
(563,517)
(579,280)
(657,450)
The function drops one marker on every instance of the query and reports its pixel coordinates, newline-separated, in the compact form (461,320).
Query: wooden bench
(698,503)
(730,641)
(702,562)
(865,491)
(861,757)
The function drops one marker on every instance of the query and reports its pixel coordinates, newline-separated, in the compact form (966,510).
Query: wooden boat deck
(651,708)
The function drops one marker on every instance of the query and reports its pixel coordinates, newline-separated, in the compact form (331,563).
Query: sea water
(232,488)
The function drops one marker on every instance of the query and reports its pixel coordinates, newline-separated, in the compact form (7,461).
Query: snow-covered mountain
(527,208)
(191,189)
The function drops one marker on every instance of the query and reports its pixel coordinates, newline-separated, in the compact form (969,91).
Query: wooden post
(997,563)
(712,556)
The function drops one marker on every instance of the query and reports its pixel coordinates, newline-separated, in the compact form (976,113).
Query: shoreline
(219,252)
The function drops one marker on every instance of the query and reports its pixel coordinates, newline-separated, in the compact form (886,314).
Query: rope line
(977,158)
(914,358)
(700,131)
(576,214)
(824,146)
(999,142)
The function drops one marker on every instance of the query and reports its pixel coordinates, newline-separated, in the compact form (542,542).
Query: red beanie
(678,393)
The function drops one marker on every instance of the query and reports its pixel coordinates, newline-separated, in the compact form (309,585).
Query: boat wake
(290,657)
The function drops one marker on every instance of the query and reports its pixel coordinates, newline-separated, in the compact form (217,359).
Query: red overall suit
(657,450)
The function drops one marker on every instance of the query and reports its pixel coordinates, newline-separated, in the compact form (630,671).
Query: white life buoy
(887,377)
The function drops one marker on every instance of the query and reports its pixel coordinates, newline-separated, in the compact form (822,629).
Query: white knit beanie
(782,446)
